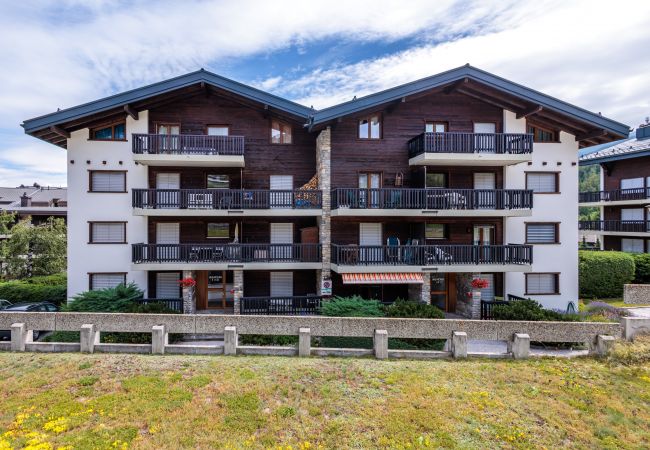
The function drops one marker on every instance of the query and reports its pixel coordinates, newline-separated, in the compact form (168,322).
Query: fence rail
(225,253)
(187,144)
(623,226)
(497,143)
(431,255)
(226,199)
(411,198)
(175,304)
(615,195)
(289,306)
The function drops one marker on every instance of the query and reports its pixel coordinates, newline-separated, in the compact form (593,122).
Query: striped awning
(382,278)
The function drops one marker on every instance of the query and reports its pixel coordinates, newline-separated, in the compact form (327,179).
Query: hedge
(51,288)
(603,274)
(641,267)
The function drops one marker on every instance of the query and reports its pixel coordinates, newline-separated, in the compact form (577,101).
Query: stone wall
(238,289)
(464,294)
(323,168)
(636,294)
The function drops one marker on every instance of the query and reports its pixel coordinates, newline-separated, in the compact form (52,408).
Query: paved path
(639,312)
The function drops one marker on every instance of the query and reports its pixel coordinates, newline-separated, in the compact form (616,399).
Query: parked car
(5,335)
(4,304)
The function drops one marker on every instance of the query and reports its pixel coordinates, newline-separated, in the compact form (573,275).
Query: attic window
(280,132)
(542,134)
(370,127)
(115,132)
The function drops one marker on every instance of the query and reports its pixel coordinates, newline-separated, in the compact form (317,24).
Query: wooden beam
(60,131)
(131,112)
(591,134)
(529,112)
(497,103)
(456,85)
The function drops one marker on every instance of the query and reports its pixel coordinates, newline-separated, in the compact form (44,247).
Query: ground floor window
(633,245)
(105,280)
(542,284)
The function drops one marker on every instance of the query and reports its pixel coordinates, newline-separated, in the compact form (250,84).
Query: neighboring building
(410,192)
(37,202)
(624,195)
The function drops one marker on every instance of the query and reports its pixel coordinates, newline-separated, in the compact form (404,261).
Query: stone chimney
(25,200)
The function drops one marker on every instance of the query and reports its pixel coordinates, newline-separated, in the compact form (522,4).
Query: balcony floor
(200,212)
(469,159)
(471,268)
(377,212)
(189,160)
(273,265)
(640,202)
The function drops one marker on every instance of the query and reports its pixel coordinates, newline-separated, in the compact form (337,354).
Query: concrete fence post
(459,344)
(635,325)
(520,346)
(159,339)
(20,336)
(89,337)
(230,339)
(381,344)
(304,342)
(604,344)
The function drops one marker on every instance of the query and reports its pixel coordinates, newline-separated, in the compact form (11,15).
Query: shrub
(631,353)
(530,310)
(29,291)
(118,299)
(262,339)
(403,308)
(603,274)
(354,306)
(641,267)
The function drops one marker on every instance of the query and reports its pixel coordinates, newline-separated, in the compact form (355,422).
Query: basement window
(115,132)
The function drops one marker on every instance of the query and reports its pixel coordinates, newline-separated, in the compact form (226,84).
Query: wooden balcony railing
(187,144)
(498,143)
(431,255)
(175,304)
(615,195)
(281,306)
(225,253)
(623,226)
(406,198)
(226,199)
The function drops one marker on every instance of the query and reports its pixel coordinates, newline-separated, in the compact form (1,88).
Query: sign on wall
(326,288)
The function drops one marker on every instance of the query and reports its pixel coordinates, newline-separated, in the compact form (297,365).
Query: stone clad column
(323,168)
(238,288)
(189,294)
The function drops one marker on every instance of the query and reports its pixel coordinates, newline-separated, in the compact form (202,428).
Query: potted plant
(188,285)
(477,285)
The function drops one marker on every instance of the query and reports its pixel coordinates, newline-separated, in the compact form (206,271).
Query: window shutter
(108,181)
(541,283)
(106,232)
(542,182)
(167,285)
(632,214)
(281,284)
(541,233)
(632,245)
(631,183)
(370,234)
(484,180)
(106,280)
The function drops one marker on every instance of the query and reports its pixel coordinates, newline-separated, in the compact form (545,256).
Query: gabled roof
(139,94)
(625,149)
(471,73)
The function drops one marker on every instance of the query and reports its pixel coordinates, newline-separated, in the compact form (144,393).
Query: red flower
(187,282)
(480,283)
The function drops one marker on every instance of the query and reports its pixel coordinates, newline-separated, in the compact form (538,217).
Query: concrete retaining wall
(636,294)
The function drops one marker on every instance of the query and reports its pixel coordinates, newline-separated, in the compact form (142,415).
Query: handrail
(457,142)
(432,198)
(187,144)
(290,305)
(623,226)
(615,195)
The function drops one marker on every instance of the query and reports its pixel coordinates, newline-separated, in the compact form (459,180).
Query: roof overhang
(613,158)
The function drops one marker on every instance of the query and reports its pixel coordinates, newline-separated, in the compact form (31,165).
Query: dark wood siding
(626,168)
(257,283)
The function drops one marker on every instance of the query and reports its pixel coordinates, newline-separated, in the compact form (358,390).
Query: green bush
(603,274)
(30,292)
(641,267)
(354,306)
(57,278)
(118,299)
(403,308)
(262,339)
(530,310)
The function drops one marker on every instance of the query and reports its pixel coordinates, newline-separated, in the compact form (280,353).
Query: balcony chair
(438,256)
(454,200)
(393,252)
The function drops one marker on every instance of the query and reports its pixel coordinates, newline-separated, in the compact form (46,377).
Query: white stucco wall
(563,208)
(84,206)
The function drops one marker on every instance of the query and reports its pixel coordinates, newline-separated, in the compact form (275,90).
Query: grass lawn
(130,401)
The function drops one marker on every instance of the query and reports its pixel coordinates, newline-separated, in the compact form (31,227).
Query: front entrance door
(214,289)
(443,291)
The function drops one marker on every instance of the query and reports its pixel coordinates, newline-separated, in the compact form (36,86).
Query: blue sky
(60,53)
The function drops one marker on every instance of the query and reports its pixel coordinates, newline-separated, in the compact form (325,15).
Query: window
(542,134)
(280,132)
(436,180)
(218,130)
(115,132)
(218,230)
(107,181)
(169,128)
(632,245)
(107,233)
(435,127)
(543,182)
(105,280)
(218,182)
(632,183)
(542,233)
(542,283)
(370,128)
(435,231)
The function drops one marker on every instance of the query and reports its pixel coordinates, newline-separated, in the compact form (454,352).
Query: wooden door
(201,289)
(443,291)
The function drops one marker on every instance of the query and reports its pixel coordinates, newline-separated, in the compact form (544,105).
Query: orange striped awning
(382,278)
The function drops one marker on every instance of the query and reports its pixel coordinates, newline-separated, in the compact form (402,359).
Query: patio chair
(393,250)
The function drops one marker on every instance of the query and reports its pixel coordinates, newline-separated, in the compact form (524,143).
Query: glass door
(170,137)
(369,185)
(443,291)
(483,239)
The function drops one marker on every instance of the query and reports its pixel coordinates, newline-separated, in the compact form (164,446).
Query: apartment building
(624,195)
(269,205)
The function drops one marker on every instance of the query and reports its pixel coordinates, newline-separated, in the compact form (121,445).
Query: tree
(34,250)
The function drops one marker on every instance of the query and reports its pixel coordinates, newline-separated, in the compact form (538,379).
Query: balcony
(305,305)
(207,256)
(635,196)
(470,149)
(226,202)
(431,202)
(443,258)
(616,227)
(188,150)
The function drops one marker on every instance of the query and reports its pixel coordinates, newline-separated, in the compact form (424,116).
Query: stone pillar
(159,339)
(238,289)
(230,340)
(380,344)
(421,292)
(89,338)
(20,336)
(520,346)
(323,168)
(475,311)
(189,294)
(304,342)
(459,344)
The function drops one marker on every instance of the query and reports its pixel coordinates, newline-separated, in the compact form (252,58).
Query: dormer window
(370,127)
(115,132)
(280,132)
